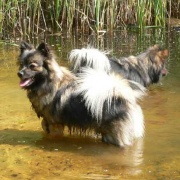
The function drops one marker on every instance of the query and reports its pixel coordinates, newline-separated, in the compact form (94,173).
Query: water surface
(26,153)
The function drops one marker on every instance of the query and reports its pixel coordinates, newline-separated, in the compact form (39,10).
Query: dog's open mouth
(26,82)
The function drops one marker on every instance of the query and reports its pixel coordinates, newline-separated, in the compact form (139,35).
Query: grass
(30,18)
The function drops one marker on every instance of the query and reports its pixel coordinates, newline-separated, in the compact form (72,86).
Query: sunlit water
(26,153)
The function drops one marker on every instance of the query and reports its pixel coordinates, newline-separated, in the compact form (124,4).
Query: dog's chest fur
(42,99)
(45,99)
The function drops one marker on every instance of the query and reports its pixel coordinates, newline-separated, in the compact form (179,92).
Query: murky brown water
(26,153)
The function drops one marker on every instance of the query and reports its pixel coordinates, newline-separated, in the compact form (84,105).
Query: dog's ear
(25,46)
(156,47)
(165,53)
(43,49)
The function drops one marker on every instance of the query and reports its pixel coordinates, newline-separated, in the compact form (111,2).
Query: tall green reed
(33,17)
(151,13)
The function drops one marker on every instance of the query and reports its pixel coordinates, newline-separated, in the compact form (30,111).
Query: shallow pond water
(27,153)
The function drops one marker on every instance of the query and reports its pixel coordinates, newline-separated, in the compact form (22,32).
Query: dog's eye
(33,65)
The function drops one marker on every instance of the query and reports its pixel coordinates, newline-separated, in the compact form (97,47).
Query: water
(26,153)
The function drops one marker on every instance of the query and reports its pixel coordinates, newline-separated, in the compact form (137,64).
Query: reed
(33,17)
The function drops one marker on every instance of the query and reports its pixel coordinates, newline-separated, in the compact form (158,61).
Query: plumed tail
(98,88)
(89,57)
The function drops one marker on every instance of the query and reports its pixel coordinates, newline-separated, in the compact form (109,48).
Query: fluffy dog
(89,100)
(146,68)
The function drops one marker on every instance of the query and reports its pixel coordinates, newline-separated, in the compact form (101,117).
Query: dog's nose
(20,73)
(164,72)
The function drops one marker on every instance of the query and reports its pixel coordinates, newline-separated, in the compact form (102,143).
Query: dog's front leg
(52,129)
(45,126)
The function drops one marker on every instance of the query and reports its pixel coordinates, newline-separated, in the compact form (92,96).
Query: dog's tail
(89,57)
(104,92)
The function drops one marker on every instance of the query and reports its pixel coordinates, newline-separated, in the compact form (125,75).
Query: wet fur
(62,99)
(146,68)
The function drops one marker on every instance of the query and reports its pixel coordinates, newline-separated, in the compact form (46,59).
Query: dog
(89,100)
(146,68)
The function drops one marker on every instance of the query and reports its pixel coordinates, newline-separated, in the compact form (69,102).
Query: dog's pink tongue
(24,82)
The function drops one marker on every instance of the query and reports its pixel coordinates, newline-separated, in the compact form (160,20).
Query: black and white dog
(91,99)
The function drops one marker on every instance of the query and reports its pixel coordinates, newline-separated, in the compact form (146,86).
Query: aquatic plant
(34,17)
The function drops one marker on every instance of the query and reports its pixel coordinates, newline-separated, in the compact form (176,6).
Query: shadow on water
(86,146)
(26,153)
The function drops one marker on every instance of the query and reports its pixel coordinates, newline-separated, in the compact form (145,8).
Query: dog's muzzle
(24,81)
(20,74)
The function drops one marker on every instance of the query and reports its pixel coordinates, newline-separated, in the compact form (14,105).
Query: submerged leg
(45,126)
(119,133)
(122,132)
(52,129)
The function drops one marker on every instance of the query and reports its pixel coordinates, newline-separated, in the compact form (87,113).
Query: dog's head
(156,62)
(158,58)
(33,69)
